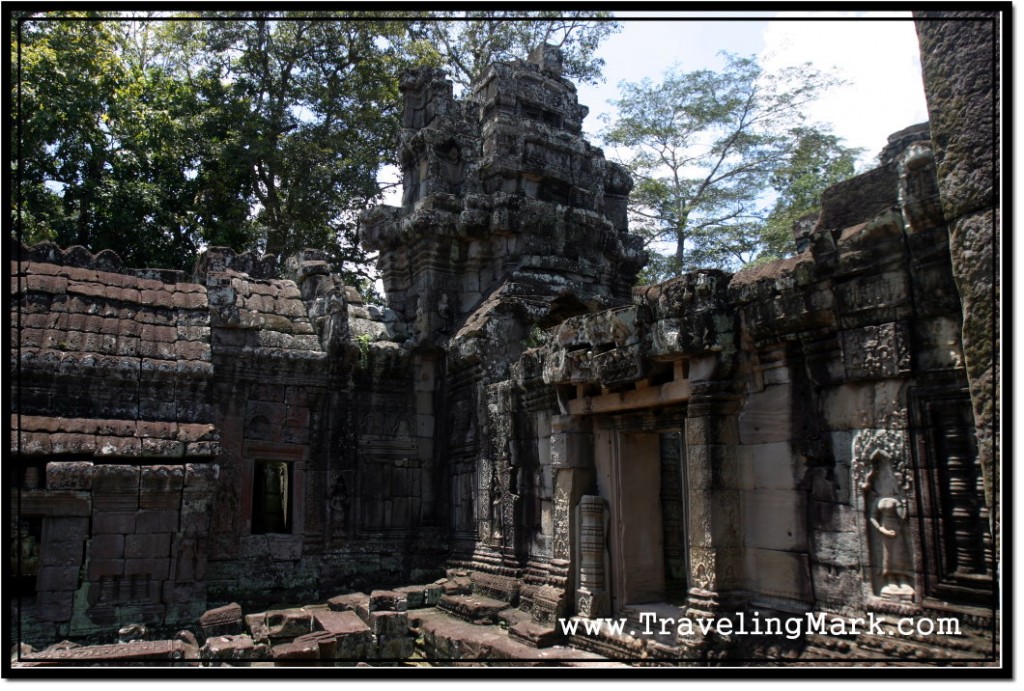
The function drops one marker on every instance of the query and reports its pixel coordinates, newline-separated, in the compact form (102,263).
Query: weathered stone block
(775,519)
(155,569)
(765,416)
(99,568)
(156,522)
(389,623)
(288,623)
(353,639)
(65,529)
(348,602)
(76,475)
(471,608)
(54,578)
(839,586)
(296,653)
(115,479)
(62,553)
(222,621)
(201,476)
(769,466)
(152,546)
(535,634)
(326,644)
(161,479)
(195,513)
(432,594)
(54,605)
(136,651)
(238,649)
(842,549)
(387,601)
(780,574)
(413,595)
(106,547)
(394,647)
(256,624)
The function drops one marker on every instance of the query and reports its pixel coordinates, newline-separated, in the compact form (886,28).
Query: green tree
(818,160)
(307,113)
(66,75)
(157,133)
(705,147)
(110,142)
(466,42)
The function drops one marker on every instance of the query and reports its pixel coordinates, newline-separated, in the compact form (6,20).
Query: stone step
(446,639)
(535,634)
(475,609)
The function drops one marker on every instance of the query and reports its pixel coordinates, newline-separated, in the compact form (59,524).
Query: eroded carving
(885,482)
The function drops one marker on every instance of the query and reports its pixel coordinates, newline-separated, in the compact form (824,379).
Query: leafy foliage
(156,134)
(705,148)
(818,160)
(466,42)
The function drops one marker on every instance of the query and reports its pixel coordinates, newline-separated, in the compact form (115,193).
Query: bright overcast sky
(876,53)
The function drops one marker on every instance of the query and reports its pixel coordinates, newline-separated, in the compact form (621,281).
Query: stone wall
(826,406)
(810,435)
(960,62)
(114,442)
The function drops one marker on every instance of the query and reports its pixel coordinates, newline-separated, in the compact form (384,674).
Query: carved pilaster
(592,598)
(713,501)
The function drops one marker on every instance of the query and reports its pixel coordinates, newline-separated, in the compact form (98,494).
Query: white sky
(878,58)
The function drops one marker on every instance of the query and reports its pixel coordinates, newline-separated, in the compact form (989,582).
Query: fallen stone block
(296,653)
(326,643)
(136,651)
(472,608)
(389,623)
(239,650)
(387,601)
(345,603)
(460,585)
(288,623)
(414,596)
(222,621)
(394,648)
(432,595)
(353,639)
(508,618)
(257,626)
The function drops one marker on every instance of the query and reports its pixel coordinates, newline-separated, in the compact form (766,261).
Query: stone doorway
(640,476)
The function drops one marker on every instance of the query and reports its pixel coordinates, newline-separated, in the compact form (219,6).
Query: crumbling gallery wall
(814,434)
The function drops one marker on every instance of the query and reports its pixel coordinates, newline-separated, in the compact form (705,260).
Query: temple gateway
(249,465)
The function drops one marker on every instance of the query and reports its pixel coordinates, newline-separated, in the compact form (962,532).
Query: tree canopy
(707,146)
(466,42)
(157,134)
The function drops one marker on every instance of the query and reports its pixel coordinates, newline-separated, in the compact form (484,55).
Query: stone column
(592,596)
(959,60)
(713,499)
(572,463)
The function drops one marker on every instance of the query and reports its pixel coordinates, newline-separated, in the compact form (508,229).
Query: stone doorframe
(627,512)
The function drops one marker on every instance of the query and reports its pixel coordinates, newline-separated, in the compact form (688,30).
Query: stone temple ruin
(521,437)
